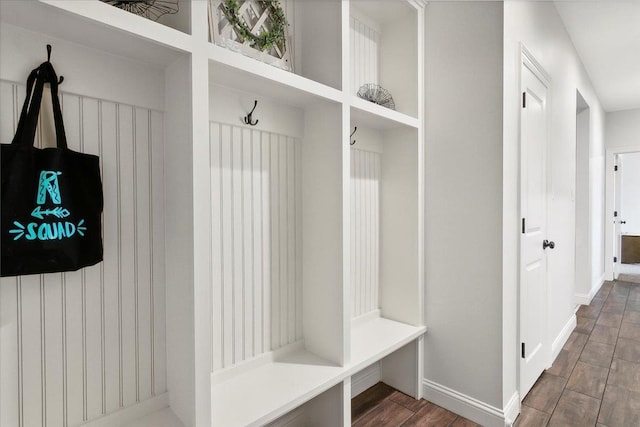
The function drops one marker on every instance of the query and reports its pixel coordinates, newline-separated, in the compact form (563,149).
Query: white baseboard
(512,410)
(562,337)
(131,413)
(596,286)
(469,407)
(366,378)
(585,299)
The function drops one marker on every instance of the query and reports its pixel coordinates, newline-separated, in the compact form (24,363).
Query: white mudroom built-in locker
(262,218)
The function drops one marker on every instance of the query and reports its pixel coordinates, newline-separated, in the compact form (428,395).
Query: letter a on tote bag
(51,198)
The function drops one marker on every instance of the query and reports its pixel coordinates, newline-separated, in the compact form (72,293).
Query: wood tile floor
(595,380)
(382,406)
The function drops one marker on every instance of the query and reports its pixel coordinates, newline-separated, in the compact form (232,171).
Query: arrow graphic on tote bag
(19,232)
(58,212)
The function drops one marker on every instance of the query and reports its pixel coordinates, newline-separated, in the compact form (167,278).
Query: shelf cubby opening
(91,24)
(384,224)
(180,20)
(112,107)
(325,409)
(384,50)
(276,213)
(313,40)
(385,285)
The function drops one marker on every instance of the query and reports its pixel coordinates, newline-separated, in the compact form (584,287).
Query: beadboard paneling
(78,345)
(365,231)
(255,244)
(365,41)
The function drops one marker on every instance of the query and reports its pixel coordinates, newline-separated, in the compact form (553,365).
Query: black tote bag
(51,198)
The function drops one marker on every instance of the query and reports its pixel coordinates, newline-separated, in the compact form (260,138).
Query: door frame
(610,205)
(526,59)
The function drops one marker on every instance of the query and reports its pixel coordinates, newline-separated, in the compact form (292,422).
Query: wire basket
(376,94)
(150,9)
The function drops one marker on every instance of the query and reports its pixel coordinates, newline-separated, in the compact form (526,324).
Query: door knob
(623,222)
(548,244)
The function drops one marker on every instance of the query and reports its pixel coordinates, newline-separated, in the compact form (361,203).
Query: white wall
(623,128)
(630,193)
(538,26)
(472,208)
(463,199)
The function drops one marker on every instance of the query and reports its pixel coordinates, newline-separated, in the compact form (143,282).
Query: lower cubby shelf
(262,394)
(377,337)
(265,392)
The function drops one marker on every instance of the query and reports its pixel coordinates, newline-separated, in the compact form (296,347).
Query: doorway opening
(584,286)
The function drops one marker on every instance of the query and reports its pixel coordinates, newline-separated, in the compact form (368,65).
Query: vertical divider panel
(179,254)
(322,224)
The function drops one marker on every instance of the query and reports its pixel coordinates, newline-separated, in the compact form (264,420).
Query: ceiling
(606,34)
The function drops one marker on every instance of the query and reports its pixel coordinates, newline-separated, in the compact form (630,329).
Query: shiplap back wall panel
(365,231)
(78,345)
(256,243)
(365,41)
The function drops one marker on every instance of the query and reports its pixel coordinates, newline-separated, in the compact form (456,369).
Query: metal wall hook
(248,119)
(61,78)
(355,128)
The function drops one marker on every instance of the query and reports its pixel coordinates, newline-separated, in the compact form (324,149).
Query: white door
(617,216)
(534,347)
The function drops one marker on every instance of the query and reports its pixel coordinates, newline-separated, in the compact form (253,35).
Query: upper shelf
(241,72)
(366,113)
(93,24)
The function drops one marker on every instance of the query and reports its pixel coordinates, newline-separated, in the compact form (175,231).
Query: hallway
(595,379)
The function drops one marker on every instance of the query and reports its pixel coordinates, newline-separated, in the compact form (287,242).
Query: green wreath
(266,39)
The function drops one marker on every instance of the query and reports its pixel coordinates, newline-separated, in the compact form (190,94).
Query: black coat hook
(61,79)
(355,128)
(248,119)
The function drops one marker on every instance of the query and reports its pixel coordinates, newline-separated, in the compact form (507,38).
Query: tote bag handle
(25,107)
(28,124)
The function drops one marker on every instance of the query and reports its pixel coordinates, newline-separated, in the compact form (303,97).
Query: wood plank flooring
(595,380)
(382,406)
